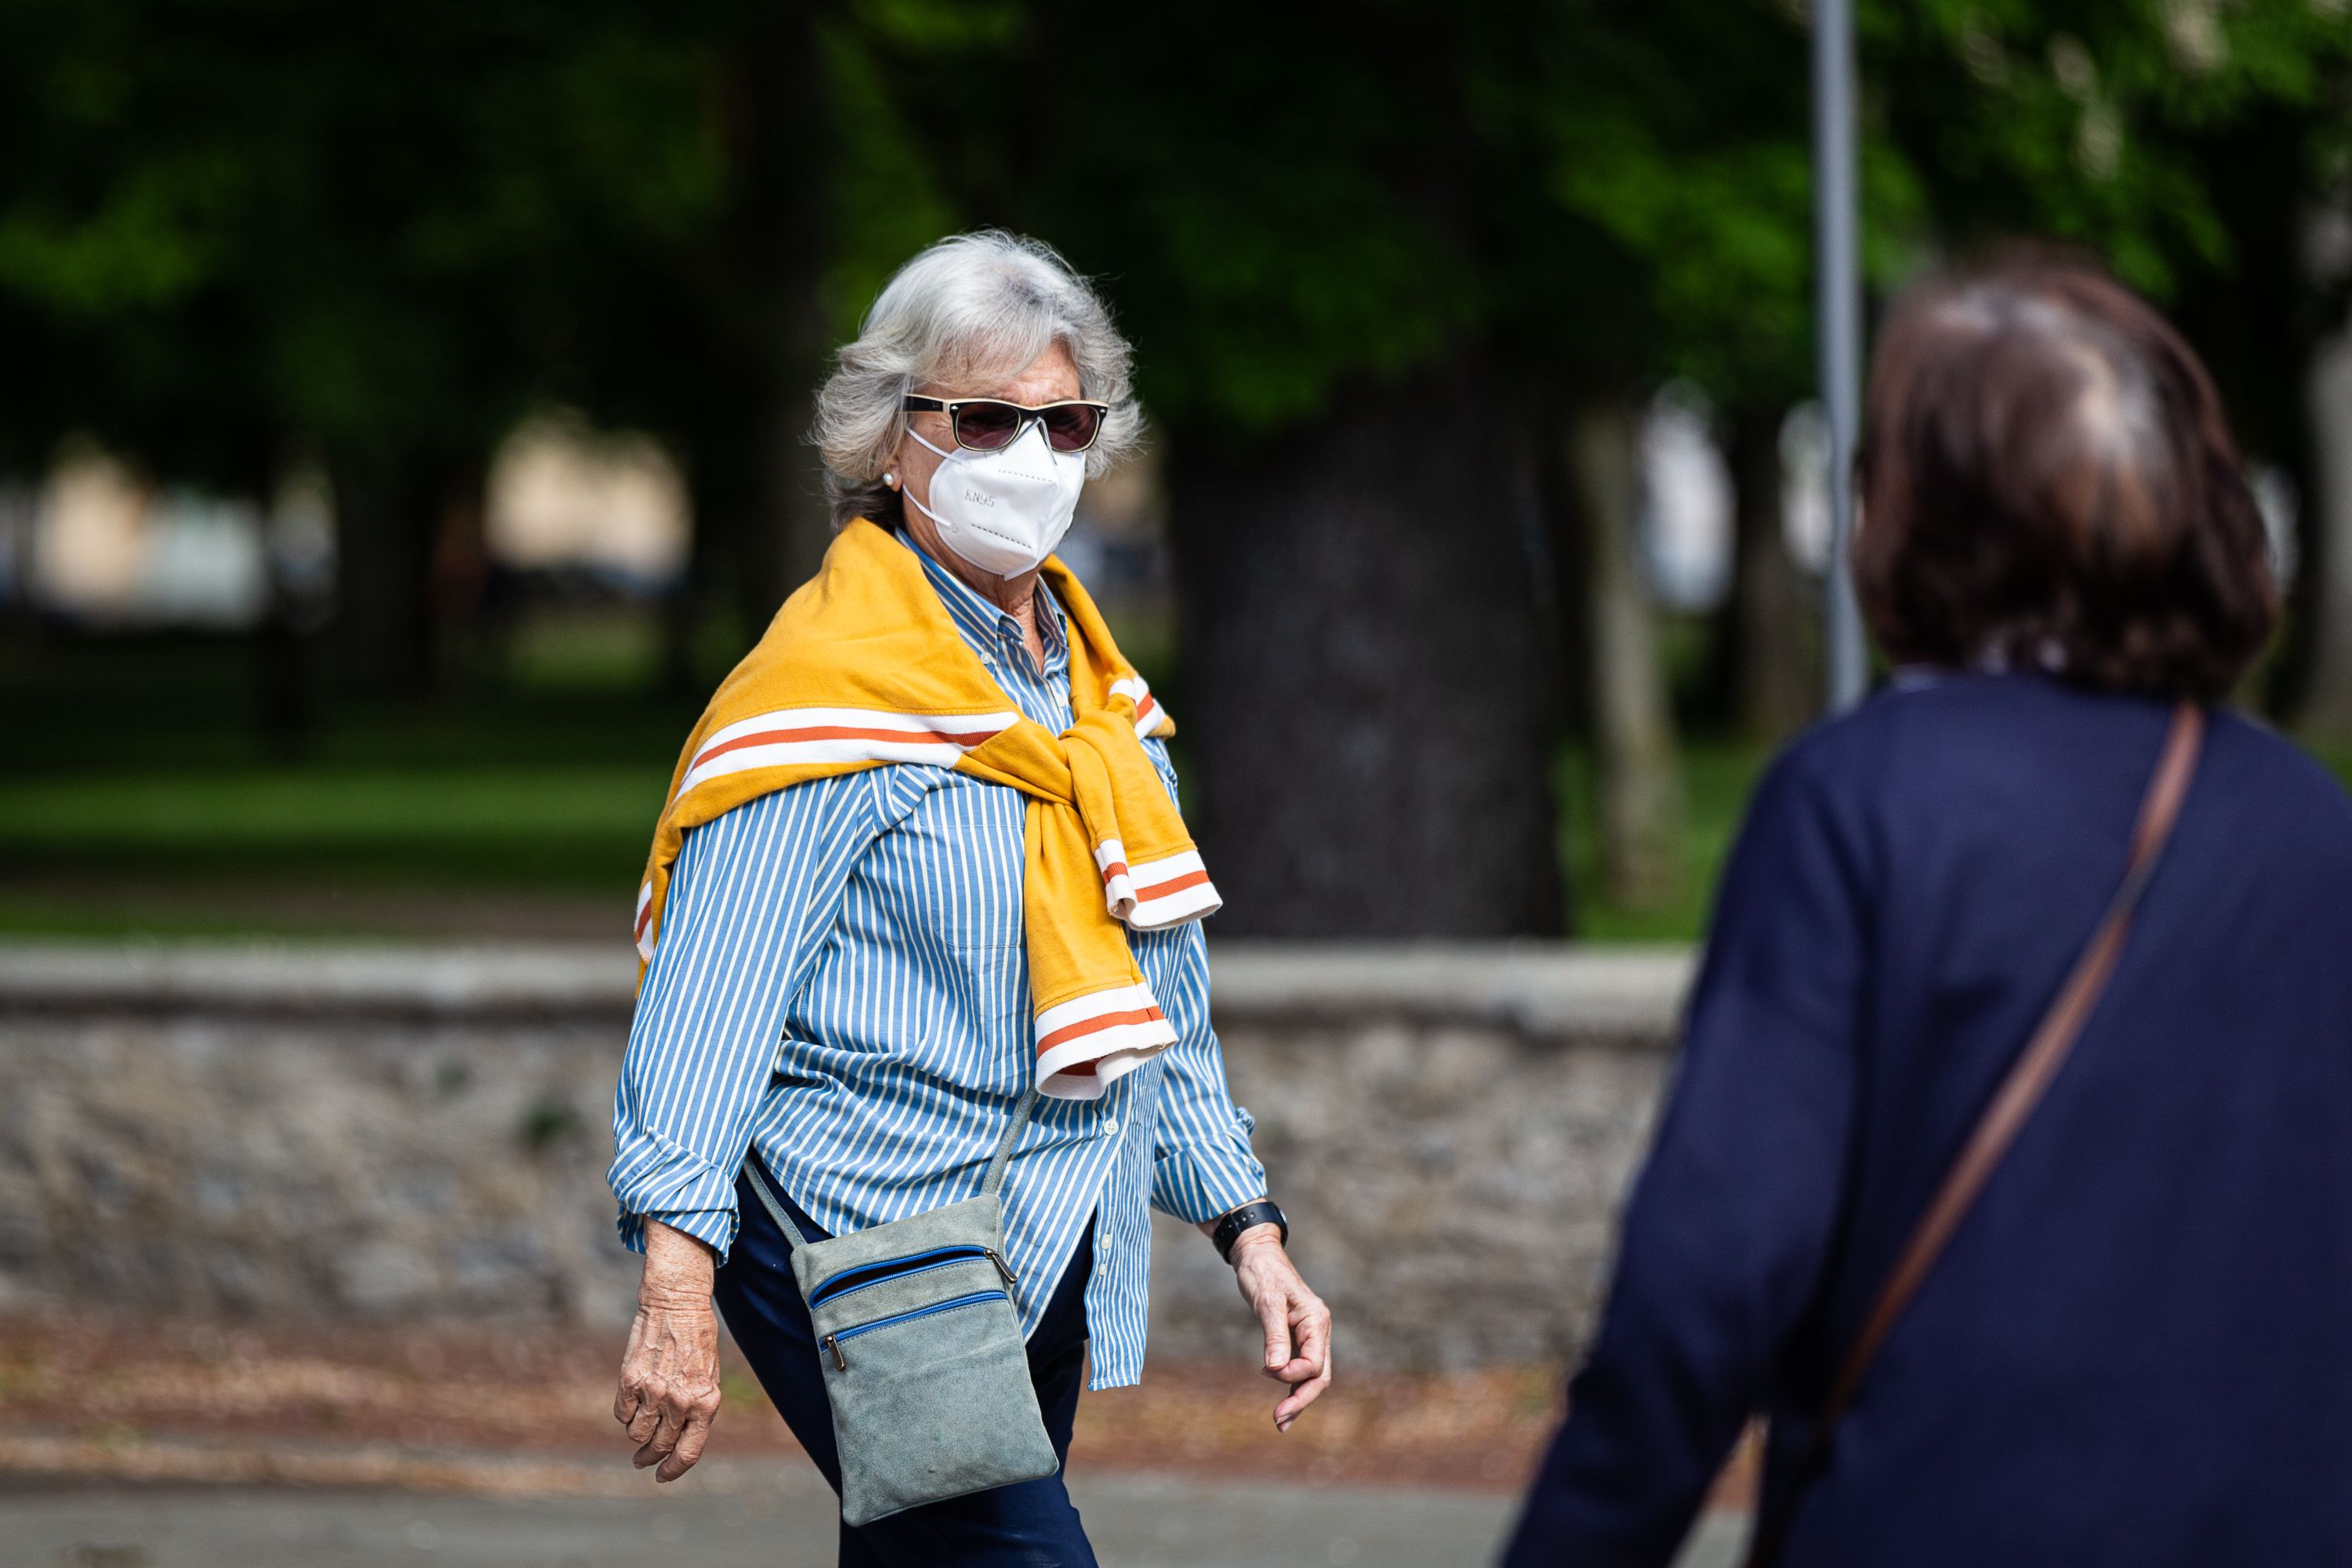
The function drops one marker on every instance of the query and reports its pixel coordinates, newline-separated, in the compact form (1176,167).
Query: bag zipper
(832,1341)
(865,1274)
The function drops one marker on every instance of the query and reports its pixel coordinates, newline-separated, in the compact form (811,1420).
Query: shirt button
(1110,1126)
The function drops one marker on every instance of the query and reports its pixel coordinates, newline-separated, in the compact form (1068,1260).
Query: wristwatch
(1265,1211)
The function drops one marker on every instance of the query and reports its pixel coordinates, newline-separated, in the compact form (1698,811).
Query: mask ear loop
(907,492)
(907,495)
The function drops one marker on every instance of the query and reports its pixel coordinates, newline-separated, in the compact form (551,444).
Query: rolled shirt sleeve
(1202,1165)
(751,899)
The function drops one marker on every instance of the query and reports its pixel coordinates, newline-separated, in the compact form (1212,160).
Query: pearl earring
(891,479)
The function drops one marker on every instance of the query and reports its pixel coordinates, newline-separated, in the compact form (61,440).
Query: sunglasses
(989,425)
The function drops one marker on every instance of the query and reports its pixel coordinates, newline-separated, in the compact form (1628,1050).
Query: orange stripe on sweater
(1094,1024)
(1173,885)
(840,732)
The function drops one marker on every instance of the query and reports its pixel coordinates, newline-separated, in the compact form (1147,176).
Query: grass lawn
(333,850)
(138,794)
(135,797)
(1716,777)
(580,826)
(344,849)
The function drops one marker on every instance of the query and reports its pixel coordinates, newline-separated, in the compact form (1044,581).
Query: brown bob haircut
(2048,482)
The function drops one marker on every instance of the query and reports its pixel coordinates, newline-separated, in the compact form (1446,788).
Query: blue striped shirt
(841,983)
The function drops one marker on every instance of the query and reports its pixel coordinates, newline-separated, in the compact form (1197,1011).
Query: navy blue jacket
(2137,1348)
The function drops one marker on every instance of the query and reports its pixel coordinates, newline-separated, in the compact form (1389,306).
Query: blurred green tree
(233,235)
(1401,275)
(1383,265)
(1297,212)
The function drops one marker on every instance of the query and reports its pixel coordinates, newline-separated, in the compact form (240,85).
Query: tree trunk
(780,259)
(1632,722)
(2328,698)
(19,509)
(388,515)
(716,524)
(2256,324)
(761,518)
(1775,631)
(1364,706)
(283,709)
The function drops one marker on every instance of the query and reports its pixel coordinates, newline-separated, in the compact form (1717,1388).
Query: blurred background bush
(400,406)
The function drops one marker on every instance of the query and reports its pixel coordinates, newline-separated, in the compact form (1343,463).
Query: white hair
(972,309)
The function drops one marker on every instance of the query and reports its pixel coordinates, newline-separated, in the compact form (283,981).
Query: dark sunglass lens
(987,426)
(1072,427)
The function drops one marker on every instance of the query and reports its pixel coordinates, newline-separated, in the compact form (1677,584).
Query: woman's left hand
(1297,1323)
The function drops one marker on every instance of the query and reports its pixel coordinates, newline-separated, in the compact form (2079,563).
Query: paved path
(1136,1522)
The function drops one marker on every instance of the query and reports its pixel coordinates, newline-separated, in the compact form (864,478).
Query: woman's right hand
(669,1374)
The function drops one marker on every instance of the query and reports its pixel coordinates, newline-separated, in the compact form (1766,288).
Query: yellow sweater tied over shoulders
(863,667)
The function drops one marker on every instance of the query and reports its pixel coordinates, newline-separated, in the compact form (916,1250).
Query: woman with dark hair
(2008,1167)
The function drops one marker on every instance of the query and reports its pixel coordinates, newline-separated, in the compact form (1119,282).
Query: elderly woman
(921,876)
(2008,1168)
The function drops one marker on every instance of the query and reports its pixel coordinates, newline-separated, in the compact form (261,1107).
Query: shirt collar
(985,624)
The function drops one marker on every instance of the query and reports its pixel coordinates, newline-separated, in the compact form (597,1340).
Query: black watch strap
(1265,1211)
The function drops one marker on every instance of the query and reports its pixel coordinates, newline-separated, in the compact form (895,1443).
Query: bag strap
(2022,1090)
(768,1201)
(1004,1155)
(988,1183)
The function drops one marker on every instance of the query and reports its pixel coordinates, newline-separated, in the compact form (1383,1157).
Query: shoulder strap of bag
(1004,1155)
(988,1183)
(2022,1090)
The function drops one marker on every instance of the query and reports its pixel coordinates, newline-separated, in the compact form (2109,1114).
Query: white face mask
(1005,510)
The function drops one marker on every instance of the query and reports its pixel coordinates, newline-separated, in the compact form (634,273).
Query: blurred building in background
(100,546)
(111,549)
(564,497)
(1686,504)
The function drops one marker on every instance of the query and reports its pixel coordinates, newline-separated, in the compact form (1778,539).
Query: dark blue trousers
(1032,1525)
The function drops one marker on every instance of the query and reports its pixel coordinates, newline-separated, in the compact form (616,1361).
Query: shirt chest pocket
(945,874)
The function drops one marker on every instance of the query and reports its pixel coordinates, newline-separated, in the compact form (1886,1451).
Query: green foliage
(227,226)
(1659,192)
(226,229)
(1609,194)
(2096,121)
(1282,198)
(884,201)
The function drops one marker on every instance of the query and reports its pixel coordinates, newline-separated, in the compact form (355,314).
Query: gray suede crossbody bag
(922,1349)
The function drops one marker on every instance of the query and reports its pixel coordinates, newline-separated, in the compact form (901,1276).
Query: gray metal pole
(1838,325)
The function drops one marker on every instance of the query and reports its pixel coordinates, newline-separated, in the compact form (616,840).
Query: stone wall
(424,1132)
